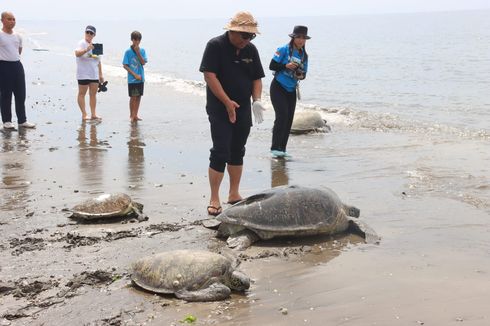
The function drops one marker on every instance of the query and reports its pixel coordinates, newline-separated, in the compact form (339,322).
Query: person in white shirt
(12,76)
(89,73)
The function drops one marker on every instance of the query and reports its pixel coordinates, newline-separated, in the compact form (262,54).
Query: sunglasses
(90,33)
(247,36)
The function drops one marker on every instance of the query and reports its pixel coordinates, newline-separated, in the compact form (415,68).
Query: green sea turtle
(308,121)
(108,206)
(192,275)
(288,211)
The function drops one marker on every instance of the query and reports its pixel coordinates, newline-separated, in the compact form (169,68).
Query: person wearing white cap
(233,74)
(89,73)
(12,76)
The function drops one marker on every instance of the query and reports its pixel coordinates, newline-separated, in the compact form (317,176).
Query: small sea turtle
(192,275)
(108,206)
(308,121)
(288,211)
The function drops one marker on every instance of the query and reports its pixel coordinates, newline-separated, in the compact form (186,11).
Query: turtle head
(239,281)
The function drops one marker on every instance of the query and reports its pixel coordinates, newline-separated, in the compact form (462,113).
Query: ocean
(407,71)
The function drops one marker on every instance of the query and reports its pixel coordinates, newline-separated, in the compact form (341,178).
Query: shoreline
(430,266)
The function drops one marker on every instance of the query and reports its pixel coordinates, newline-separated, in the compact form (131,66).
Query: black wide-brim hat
(300,31)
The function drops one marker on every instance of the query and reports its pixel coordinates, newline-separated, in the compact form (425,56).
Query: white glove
(257,109)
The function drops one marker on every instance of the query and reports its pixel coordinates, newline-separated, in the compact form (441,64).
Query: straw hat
(243,21)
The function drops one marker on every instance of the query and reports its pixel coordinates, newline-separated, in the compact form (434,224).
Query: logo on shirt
(247,60)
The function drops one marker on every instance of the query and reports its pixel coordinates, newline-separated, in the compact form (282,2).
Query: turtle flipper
(214,292)
(211,223)
(242,240)
(138,210)
(364,230)
(352,211)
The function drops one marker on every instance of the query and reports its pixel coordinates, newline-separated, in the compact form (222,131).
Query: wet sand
(431,267)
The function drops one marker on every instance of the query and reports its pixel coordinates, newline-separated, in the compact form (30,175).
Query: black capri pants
(229,141)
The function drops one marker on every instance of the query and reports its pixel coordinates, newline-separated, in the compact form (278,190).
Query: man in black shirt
(232,71)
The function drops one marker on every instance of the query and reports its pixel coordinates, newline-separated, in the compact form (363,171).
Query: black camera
(299,73)
(102,87)
(98,49)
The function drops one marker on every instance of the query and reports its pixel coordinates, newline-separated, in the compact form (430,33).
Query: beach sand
(430,268)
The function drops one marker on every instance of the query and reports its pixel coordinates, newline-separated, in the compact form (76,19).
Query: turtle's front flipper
(138,210)
(242,240)
(364,230)
(214,292)
(211,223)
(352,211)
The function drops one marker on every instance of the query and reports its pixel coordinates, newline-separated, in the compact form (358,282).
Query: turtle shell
(308,121)
(105,205)
(169,272)
(287,211)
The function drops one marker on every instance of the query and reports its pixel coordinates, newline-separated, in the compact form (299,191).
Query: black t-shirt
(236,73)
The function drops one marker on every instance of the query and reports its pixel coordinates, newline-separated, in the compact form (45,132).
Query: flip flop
(216,212)
(233,202)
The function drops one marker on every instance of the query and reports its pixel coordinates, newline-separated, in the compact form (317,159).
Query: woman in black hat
(290,64)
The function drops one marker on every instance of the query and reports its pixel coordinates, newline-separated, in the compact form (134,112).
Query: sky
(155,9)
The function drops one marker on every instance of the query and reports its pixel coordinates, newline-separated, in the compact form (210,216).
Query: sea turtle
(192,275)
(308,121)
(108,206)
(288,211)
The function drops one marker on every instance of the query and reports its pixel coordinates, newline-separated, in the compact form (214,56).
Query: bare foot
(94,117)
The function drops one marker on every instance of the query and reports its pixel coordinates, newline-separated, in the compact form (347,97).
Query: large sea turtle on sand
(192,275)
(288,211)
(308,121)
(108,206)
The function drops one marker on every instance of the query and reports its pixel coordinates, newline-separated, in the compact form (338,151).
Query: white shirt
(9,46)
(87,67)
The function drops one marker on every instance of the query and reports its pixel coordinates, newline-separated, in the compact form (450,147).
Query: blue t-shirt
(285,77)
(131,59)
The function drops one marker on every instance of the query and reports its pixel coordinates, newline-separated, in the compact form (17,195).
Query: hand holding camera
(299,74)
(298,68)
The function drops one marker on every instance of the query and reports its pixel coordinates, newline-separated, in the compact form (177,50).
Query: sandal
(216,212)
(233,202)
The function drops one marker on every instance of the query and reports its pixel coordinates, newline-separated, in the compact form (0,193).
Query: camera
(299,72)
(98,49)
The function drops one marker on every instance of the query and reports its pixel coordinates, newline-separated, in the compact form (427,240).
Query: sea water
(404,70)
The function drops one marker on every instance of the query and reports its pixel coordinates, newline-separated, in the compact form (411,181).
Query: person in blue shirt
(290,64)
(134,60)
